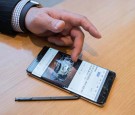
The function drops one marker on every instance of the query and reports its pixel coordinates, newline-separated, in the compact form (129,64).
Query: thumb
(54,25)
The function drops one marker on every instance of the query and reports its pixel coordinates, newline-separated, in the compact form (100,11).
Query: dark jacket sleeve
(6,9)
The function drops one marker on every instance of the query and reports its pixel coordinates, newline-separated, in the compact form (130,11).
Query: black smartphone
(84,79)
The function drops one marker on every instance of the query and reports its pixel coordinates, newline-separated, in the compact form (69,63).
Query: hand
(61,27)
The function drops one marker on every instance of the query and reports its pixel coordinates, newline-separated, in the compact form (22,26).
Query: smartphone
(84,79)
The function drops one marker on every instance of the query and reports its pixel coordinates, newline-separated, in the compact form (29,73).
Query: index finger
(79,20)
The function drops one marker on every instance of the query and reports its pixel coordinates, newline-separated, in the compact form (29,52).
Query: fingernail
(96,32)
(58,24)
(98,35)
(74,59)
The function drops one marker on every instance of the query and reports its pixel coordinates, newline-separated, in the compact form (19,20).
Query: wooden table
(115,19)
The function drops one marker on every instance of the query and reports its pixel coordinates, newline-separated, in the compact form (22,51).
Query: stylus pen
(46,98)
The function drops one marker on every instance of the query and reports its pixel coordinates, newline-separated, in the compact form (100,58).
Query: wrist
(25,10)
(29,17)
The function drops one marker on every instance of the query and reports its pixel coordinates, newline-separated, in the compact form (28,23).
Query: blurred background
(49,3)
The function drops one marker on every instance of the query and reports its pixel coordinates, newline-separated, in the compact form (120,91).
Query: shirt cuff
(15,21)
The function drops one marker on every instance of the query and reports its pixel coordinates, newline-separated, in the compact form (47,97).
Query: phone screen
(81,77)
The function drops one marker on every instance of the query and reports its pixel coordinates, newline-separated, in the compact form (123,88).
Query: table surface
(115,19)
